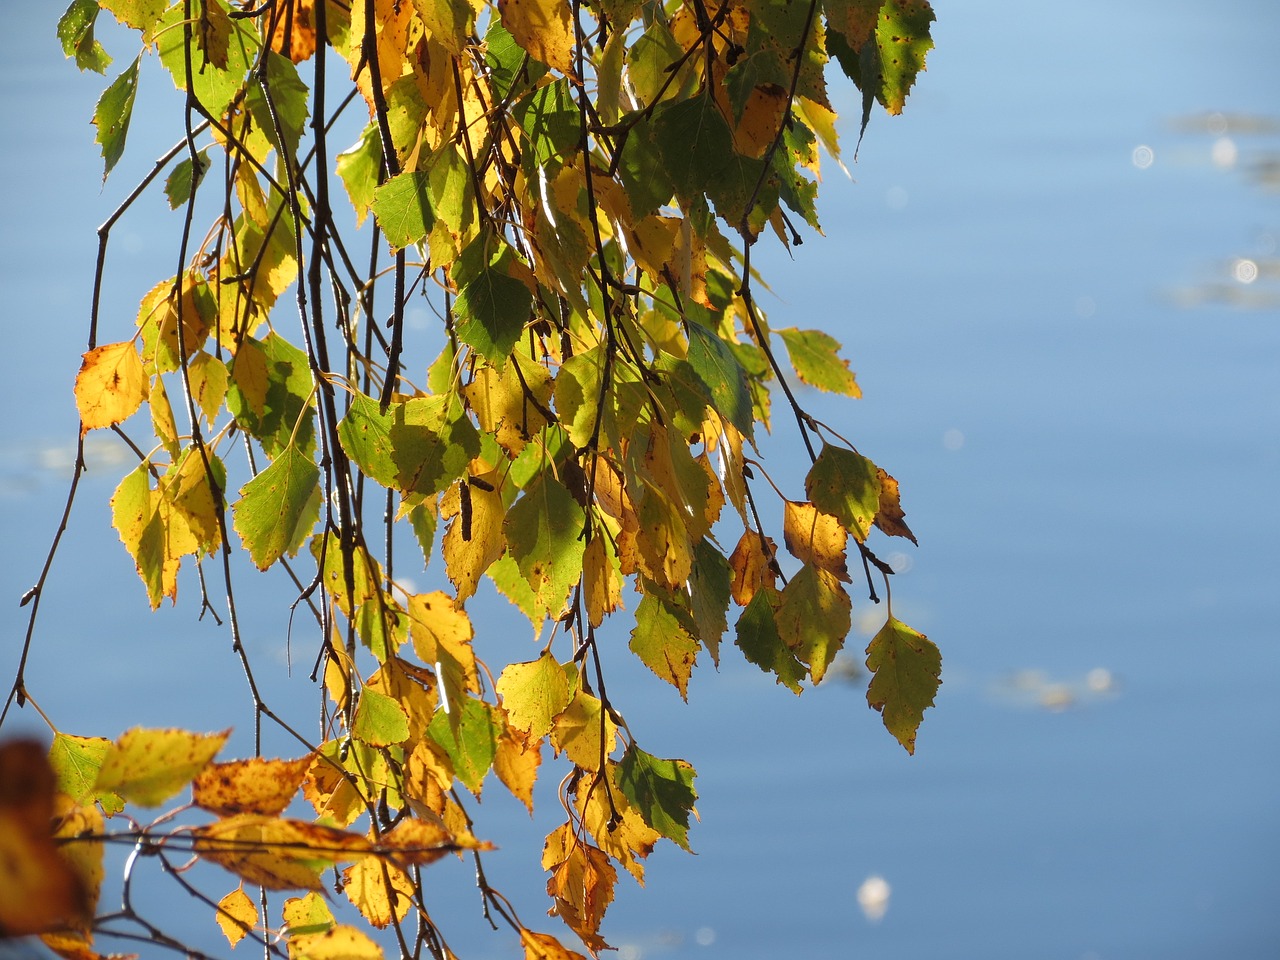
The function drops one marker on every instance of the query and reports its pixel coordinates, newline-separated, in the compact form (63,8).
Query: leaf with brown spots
(256,785)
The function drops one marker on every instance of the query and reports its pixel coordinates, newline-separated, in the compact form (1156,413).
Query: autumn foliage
(574,189)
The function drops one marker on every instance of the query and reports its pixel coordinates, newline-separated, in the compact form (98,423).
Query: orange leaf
(543,28)
(249,786)
(111,385)
(816,537)
(890,517)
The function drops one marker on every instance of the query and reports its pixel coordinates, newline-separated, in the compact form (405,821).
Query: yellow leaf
(601,579)
(441,634)
(543,28)
(617,827)
(753,566)
(40,890)
(329,789)
(816,537)
(275,853)
(340,943)
(543,946)
(74,826)
(470,548)
(533,693)
(412,687)
(257,785)
(110,387)
(381,891)
(147,767)
(237,915)
(162,422)
(761,120)
(73,945)
(306,916)
(578,731)
(516,764)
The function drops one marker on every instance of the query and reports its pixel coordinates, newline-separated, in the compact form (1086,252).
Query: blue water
(1081,403)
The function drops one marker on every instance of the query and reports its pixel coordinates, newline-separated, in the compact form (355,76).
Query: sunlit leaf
(815,356)
(75,30)
(845,485)
(237,915)
(759,641)
(113,113)
(906,667)
(543,28)
(533,693)
(661,790)
(111,385)
(148,767)
(278,508)
(257,785)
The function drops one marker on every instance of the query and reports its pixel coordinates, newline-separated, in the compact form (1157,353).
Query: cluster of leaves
(576,189)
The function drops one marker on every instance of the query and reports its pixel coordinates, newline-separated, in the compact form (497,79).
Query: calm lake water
(1057,277)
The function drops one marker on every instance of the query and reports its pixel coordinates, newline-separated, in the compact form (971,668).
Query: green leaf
(148,767)
(359,168)
(661,639)
(577,395)
(845,485)
(720,371)
(185,178)
(75,30)
(543,530)
(695,144)
(419,446)
(403,208)
(475,744)
(813,618)
(287,107)
(223,52)
(709,595)
(550,118)
(661,790)
(902,35)
(138,14)
(759,641)
(271,394)
(76,762)
(491,312)
(816,358)
(533,693)
(279,507)
(906,667)
(380,721)
(112,114)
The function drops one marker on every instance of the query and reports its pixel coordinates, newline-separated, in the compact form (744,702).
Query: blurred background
(1057,278)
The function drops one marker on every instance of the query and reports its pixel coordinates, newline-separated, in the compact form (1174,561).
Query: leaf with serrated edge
(147,767)
(906,667)
(256,785)
(237,915)
(533,693)
(111,385)
(661,790)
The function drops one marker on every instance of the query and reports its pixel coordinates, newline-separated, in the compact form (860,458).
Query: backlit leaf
(278,508)
(471,742)
(75,30)
(817,362)
(257,785)
(380,721)
(543,946)
(581,884)
(724,377)
(111,385)
(906,667)
(533,693)
(403,208)
(113,113)
(759,641)
(815,537)
(543,28)
(237,915)
(75,762)
(339,943)
(184,179)
(661,790)
(662,640)
(543,530)
(845,485)
(381,891)
(890,517)
(276,853)
(148,767)
(813,618)
(582,733)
